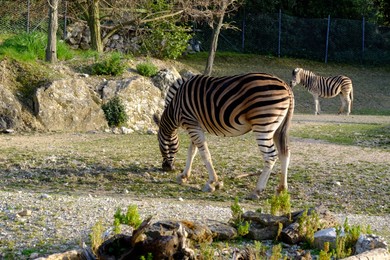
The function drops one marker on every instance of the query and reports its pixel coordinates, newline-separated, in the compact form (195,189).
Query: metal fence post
(243,32)
(327,40)
(280,31)
(363,36)
(28,17)
(65,17)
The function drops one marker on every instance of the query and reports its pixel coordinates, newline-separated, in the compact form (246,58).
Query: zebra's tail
(281,134)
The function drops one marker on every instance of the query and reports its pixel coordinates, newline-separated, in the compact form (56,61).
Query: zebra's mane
(171,92)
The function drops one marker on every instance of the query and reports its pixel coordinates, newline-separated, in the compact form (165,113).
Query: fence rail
(276,34)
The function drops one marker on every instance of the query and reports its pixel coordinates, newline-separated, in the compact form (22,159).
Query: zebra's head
(296,77)
(168,141)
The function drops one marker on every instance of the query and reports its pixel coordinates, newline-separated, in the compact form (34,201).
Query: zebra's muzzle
(168,165)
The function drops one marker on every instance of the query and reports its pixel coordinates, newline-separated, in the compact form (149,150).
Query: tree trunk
(214,41)
(51,49)
(94,25)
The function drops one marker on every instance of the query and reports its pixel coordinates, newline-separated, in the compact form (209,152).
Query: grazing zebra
(228,106)
(326,87)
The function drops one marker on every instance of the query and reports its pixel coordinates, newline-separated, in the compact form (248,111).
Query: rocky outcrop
(69,105)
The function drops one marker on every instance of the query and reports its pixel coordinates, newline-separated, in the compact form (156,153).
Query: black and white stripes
(228,106)
(326,87)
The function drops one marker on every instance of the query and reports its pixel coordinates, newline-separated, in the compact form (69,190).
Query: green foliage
(308,225)
(148,257)
(280,203)
(96,236)
(276,252)
(110,65)
(131,218)
(346,238)
(237,220)
(260,250)
(115,113)
(325,254)
(166,40)
(32,47)
(147,69)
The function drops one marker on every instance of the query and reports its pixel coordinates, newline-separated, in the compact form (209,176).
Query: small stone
(126,191)
(338,183)
(25,213)
(181,199)
(34,255)
(45,196)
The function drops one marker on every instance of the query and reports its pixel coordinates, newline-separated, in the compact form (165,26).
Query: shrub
(131,218)
(31,47)
(115,113)
(111,65)
(281,203)
(241,225)
(147,69)
(166,40)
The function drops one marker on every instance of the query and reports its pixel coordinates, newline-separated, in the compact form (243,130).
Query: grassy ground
(371,84)
(106,163)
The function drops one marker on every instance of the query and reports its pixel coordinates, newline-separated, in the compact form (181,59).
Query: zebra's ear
(295,71)
(156,118)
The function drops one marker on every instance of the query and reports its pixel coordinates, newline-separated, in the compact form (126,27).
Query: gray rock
(69,105)
(325,235)
(369,242)
(222,231)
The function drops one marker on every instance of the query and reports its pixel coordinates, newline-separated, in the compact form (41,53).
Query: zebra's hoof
(208,188)
(219,185)
(181,179)
(253,196)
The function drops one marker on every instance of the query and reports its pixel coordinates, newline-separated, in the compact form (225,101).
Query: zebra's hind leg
(284,161)
(183,177)
(266,145)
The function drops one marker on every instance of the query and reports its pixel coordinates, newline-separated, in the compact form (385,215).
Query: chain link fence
(325,39)
(275,34)
(17,16)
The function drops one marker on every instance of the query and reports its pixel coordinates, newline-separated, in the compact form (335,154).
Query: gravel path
(63,222)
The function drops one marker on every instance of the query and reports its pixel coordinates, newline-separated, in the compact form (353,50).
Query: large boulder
(69,105)
(141,97)
(10,110)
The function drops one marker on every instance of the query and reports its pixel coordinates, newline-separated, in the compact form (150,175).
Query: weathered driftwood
(160,246)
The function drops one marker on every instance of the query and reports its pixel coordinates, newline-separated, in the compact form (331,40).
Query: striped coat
(326,87)
(228,106)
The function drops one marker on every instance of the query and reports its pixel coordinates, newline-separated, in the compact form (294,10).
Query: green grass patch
(369,135)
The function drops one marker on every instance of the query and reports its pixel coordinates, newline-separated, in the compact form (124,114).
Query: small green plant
(114,111)
(131,218)
(148,257)
(276,252)
(308,225)
(111,65)
(96,236)
(281,203)
(237,220)
(147,69)
(206,251)
(325,254)
(260,250)
(346,238)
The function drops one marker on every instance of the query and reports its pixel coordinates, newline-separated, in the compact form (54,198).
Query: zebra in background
(228,106)
(326,87)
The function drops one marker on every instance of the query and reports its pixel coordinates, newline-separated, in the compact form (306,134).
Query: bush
(31,47)
(147,69)
(115,113)
(111,65)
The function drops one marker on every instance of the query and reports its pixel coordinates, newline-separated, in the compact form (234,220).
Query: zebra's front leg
(213,182)
(199,139)
(183,177)
(317,105)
